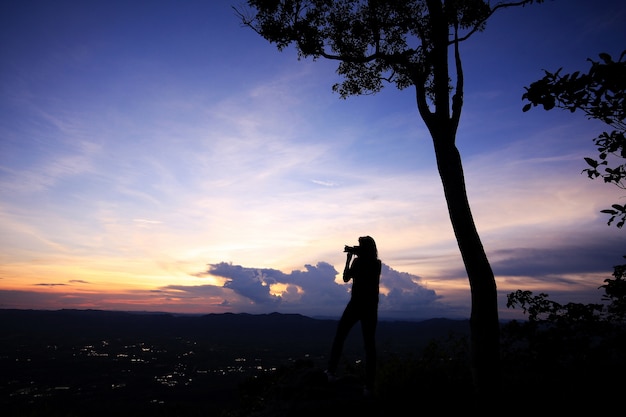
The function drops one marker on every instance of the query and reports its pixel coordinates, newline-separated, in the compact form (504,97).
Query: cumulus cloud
(310,289)
(314,291)
(404,292)
(251,283)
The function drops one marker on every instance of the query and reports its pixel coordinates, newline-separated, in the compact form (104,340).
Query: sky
(158,156)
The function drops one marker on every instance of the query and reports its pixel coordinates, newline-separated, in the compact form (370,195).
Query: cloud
(204,294)
(50,285)
(41,172)
(575,258)
(28,299)
(314,290)
(315,285)
(248,282)
(325,183)
(403,295)
(146,221)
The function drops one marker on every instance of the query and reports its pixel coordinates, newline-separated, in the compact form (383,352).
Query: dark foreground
(94,363)
(99,363)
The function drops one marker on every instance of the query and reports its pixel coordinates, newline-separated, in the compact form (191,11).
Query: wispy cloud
(123,173)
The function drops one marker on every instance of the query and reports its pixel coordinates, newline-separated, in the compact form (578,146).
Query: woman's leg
(368,327)
(348,319)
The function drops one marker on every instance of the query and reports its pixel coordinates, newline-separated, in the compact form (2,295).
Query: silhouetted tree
(591,335)
(406,43)
(541,309)
(615,293)
(564,349)
(601,95)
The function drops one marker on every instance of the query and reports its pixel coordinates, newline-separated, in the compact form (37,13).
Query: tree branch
(495,8)
(457,99)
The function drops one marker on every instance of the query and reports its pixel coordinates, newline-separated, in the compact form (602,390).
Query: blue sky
(159,156)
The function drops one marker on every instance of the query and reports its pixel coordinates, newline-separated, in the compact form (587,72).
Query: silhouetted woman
(363,306)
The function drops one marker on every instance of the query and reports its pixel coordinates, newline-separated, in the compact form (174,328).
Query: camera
(354,250)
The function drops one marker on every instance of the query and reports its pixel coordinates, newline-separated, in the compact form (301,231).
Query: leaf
(548,104)
(605,57)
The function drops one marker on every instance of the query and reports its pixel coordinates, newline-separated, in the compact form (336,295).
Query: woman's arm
(346,269)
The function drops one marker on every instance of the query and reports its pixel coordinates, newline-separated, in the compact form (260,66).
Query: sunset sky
(158,156)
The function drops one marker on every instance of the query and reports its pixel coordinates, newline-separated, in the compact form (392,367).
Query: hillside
(76,362)
(294,332)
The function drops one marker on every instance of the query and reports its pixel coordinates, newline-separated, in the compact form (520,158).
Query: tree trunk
(484,322)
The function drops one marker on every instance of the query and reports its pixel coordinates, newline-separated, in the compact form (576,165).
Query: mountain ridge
(262,330)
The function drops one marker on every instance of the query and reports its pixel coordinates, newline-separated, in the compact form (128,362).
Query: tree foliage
(375,41)
(572,345)
(540,308)
(600,94)
(615,294)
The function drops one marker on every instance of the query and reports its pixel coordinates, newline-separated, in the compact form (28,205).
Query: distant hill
(276,330)
(102,363)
